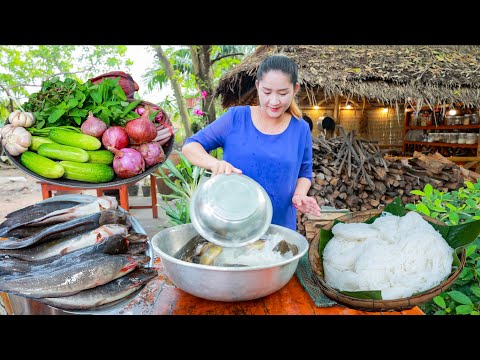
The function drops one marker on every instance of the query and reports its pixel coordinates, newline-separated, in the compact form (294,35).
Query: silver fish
(113,245)
(35,211)
(98,269)
(62,215)
(64,229)
(67,244)
(105,294)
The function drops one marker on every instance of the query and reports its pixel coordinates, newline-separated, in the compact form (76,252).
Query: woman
(269,143)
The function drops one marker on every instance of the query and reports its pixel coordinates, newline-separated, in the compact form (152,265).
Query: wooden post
(477,168)
(336,113)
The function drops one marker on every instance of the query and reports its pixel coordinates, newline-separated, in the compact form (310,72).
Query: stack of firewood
(353,174)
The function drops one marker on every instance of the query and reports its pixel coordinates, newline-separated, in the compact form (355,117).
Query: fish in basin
(198,250)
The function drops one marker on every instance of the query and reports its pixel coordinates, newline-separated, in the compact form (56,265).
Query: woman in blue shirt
(269,143)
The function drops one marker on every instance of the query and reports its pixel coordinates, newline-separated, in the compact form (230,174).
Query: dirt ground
(17,190)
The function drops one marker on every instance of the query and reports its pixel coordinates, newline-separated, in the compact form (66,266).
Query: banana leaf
(457,236)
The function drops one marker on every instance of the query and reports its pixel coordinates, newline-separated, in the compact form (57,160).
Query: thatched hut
(367,88)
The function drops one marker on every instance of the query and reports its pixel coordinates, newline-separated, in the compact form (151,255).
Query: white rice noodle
(399,257)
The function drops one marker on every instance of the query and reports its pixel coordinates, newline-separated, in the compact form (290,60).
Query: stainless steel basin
(225,283)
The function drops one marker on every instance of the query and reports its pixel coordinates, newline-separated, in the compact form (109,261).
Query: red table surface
(162,297)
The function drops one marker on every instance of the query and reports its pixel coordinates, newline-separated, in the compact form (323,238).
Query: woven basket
(370,304)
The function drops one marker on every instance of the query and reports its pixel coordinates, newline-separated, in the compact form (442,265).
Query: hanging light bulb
(348,107)
(452,112)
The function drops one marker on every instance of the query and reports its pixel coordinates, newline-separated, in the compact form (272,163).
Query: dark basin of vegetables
(117,181)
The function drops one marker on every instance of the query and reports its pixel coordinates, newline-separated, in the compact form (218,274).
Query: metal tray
(116,181)
(26,306)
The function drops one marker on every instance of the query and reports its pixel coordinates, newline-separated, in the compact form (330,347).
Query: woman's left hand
(306,204)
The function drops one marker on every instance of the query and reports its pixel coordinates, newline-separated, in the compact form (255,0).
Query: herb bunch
(67,103)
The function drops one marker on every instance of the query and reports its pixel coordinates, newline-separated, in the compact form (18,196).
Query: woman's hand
(306,204)
(223,167)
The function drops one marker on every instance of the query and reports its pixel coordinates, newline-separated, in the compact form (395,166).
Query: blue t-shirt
(274,161)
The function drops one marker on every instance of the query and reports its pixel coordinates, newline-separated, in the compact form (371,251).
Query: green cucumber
(62,152)
(70,138)
(100,157)
(39,140)
(88,172)
(41,165)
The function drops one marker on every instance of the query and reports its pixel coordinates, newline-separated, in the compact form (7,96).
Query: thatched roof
(423,74)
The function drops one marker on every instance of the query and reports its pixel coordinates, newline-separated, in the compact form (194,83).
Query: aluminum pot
(26,306)
(234,283)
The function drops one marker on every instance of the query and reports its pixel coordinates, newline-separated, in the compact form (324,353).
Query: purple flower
(204,94)
(198,112)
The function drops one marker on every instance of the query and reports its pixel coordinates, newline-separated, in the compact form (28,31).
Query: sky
(143,57)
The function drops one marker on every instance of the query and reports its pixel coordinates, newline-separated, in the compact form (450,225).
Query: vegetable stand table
(123,190)
(161,297)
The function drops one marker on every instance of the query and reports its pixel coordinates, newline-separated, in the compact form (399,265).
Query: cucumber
(41,165)
(100,156)
(39,140)
(70,138)
(62,152)
(88,172)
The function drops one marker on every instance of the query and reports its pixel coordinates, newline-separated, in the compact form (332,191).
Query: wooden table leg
(6,303)
(46,192)
(99,192)
(124,197)
(153,194)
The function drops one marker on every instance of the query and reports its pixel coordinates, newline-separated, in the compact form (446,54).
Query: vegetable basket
(369,304)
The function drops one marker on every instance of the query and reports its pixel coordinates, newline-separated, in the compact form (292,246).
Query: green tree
(24,68)
(196,68)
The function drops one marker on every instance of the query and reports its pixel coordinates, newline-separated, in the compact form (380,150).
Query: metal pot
(225,283)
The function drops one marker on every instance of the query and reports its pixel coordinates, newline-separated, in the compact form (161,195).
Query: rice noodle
(398,256)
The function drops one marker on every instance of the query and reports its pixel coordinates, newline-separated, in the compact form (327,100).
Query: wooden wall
(383,127)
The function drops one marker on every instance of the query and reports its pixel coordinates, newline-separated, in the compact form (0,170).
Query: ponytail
(295,110)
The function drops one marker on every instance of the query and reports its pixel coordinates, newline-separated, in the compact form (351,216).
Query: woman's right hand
(223,167)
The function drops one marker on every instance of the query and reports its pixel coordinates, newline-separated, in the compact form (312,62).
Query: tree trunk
(202,68)
(176,89)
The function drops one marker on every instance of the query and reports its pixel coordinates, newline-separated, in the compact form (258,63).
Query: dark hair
(287,66)
(278,62)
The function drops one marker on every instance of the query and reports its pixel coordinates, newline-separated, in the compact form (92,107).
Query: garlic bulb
(20,118)
(15,139)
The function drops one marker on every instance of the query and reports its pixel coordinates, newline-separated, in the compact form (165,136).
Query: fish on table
(105,294)
(23,237)
(62,215)
(36,211)
(112,245)
(92,271)
(65,245)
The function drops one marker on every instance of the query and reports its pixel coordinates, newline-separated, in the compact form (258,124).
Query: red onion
(115,137)
(152,153)
(93,126)
(126,82)
(141,130)
(128,163)
(159,118)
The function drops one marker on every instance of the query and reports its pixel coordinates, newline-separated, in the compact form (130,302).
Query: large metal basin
(225,283)
(26,306)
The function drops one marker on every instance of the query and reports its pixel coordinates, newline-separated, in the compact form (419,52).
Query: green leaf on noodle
(375,295)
